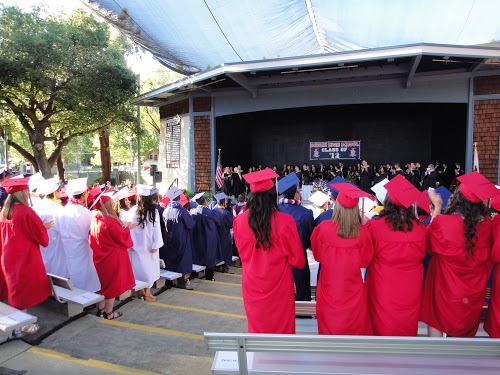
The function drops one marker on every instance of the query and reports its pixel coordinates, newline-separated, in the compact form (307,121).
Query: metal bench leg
(74,309)
(160,283)
(242,356)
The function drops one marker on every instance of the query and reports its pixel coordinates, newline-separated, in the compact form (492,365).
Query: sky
(142,64)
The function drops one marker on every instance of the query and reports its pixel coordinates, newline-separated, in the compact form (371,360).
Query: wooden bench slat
(198,268)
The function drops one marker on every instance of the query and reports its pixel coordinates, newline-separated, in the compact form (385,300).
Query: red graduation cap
(349,194)
(402,192)
(184,200)
(476,188)
(100,200)
(15,184)
(165,201)
(424,202)
(261,180)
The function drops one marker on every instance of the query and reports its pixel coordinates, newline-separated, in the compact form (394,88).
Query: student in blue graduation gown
(205,236)
(224,220)
(179,253)
(290,204)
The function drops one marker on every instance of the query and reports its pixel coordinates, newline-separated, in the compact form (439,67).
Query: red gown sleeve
(367,248)
(120,235)
(495,250)
(316,243)
(37,230)
(290,241)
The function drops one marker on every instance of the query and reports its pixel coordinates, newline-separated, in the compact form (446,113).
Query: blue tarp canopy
(190,36)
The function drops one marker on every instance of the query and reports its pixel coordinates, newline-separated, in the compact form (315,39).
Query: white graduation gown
(74,226)
(146,266)
(53,255)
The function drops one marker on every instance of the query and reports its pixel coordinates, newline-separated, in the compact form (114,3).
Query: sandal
(113,315)
(101,312)
(28,329)
(149,298)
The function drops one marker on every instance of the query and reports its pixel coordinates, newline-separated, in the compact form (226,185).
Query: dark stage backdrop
(388,133)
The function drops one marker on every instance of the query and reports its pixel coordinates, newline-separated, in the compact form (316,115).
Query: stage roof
(403,63)
(191,36)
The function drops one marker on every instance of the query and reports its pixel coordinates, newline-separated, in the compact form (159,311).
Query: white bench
(166,275)
(310,326)
(139,285)
(12,318)
(198,268)
(64,291)
(244,354)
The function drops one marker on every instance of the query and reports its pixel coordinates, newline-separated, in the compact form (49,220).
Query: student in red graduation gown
(492,322)
(110,242)
(22,233)
(460,244)
(345,250)
(395,276)
(269,245)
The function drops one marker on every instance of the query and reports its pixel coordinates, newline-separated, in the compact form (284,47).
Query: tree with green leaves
(61,77)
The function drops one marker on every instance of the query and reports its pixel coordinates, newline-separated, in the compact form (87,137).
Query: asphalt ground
(162,337)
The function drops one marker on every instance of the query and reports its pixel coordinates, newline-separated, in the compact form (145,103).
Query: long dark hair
(261,207)
(146,209)
(472,214)
(400,218)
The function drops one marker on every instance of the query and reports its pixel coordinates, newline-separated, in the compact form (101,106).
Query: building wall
(202,153)
(182,173)
(198,132)
(487,126)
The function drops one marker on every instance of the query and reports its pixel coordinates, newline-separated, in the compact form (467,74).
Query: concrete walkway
(163,337)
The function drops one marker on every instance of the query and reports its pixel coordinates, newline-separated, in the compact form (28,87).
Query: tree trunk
(41,160)
(60,168)
(105,154)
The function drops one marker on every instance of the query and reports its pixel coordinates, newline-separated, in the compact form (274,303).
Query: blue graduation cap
(337,180)
(445,195)
(198,196)
(287,182)
(220,196)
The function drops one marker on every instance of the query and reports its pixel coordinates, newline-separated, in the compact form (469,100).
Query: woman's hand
(152,251)
(436,201)
(130,225)
(49,224)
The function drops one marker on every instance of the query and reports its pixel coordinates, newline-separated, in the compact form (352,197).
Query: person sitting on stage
(345,250)
(460,244)
(205,236)
(269,245)
(110,241)
(394,278)
(304,219)
(178,254)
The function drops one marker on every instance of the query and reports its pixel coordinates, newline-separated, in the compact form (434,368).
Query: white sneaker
(187,283)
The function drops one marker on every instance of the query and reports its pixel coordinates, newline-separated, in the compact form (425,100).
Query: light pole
(129,139)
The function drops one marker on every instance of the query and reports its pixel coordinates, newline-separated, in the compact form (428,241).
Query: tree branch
(63,142)
(23,152)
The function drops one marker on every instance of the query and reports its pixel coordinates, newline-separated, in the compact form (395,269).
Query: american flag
(219,179)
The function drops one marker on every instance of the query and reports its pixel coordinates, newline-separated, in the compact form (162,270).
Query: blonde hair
(13,198)
(347,220)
